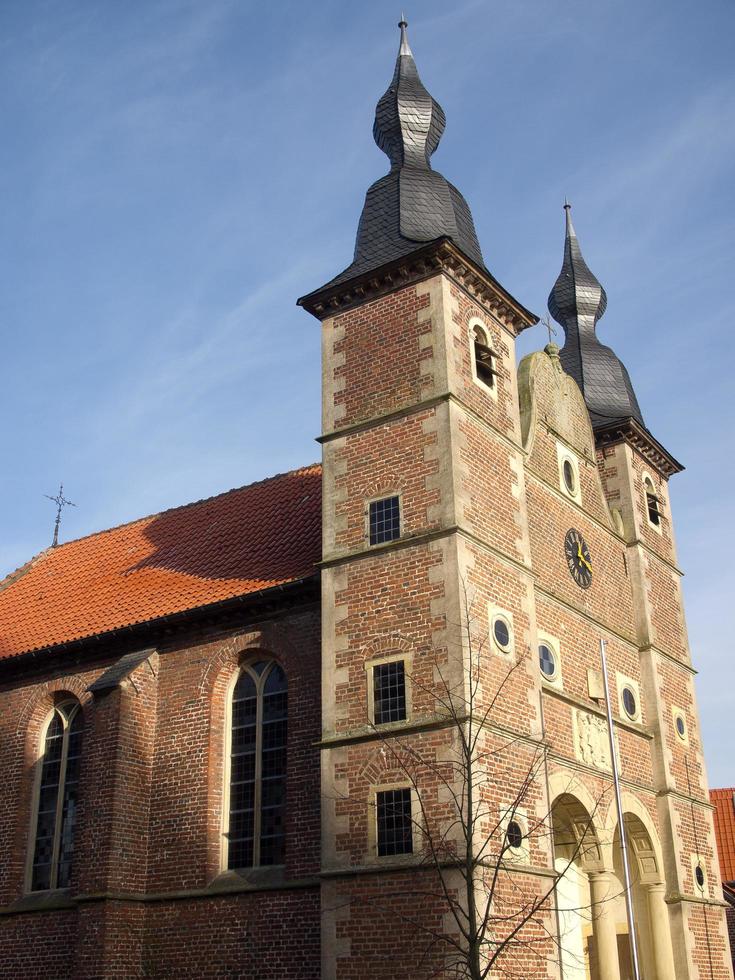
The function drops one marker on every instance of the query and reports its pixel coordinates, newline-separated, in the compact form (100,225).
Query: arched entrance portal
(578,863)
(593,925)
(650,911)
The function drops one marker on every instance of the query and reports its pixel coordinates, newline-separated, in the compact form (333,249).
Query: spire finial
(567,205)
(405,48)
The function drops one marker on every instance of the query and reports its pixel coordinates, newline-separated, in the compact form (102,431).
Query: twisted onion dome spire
(412,204)
(577,302)
(409,122)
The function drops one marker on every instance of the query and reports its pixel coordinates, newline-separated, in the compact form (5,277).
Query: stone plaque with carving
(591,742)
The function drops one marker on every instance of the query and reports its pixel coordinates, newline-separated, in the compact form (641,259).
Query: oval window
(699,875)
(515,834)
(629,702)
(680,726)
(501,632)
(547,660)
(570,481)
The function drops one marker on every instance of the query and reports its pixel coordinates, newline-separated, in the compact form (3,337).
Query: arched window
(653,502)
(257,777)
(57,799)
(484,357)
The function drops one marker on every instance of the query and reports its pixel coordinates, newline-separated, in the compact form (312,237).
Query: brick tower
(470,504)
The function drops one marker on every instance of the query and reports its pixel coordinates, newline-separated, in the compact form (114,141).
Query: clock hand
(582,558)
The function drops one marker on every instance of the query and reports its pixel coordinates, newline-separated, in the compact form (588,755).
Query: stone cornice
(441,255)
(594,709)
(640,439)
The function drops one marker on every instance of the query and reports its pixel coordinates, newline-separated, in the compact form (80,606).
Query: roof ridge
(160,513)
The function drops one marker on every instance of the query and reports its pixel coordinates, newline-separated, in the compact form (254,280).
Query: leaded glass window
(385,520)
(256,830)
(389,692)
(57,799)
(395,824)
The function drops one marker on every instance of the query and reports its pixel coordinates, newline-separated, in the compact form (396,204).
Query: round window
(629,702)
(699,875)
(501,632)
(681,728)
(569,480)
(547,660)
(515,834)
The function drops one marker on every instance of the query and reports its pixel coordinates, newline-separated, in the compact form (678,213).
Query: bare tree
(482,823)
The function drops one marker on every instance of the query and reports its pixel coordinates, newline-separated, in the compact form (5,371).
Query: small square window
(389,692)
(385,520)
(395,826)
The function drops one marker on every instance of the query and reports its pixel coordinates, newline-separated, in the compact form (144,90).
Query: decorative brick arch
(388,484)
(270,638)
(42,699)
(392,643)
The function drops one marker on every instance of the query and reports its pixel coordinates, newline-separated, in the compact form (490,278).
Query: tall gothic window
(57,799)
(257,806)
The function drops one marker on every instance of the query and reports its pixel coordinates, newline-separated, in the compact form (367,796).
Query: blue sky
(174,174)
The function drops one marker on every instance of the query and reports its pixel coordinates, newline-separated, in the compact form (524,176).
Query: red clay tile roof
(723,801)
(237,543)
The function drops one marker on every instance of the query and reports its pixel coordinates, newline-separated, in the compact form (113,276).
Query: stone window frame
(257,657)
(383,495)
(624,682)
(372,824)
(369,666)
(677,712)
(648,481)
(474,324)
(516,855)
(496,612)
(565,455)
(546,639)
(36,797)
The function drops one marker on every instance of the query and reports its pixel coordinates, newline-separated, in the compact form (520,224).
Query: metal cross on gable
(546,322)
(61,502)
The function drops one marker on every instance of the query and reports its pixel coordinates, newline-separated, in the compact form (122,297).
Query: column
(658,915)
(603,925)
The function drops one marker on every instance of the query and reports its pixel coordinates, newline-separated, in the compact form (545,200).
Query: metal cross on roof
(61,502)
(546,322)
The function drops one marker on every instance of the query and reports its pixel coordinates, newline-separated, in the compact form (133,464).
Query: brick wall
(149,893)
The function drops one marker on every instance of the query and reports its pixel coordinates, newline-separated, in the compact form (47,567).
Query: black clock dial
(578,558)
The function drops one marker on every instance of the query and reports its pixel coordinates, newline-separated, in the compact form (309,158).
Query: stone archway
(579,866)
(648,889)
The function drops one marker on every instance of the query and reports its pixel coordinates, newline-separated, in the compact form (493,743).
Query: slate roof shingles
(237,543)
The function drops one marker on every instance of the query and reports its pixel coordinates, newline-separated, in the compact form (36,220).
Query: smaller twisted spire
(577,301)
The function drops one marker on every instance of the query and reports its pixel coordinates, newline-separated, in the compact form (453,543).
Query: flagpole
(621,824)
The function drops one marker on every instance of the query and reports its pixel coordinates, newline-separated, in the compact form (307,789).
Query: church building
(350,722)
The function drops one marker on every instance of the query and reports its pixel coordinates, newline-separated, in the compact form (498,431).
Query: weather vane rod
(61,502)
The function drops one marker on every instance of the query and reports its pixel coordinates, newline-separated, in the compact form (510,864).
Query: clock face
(578,558)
